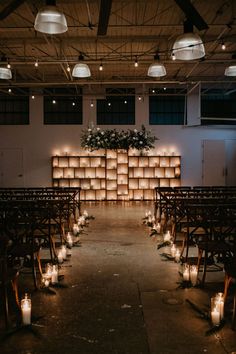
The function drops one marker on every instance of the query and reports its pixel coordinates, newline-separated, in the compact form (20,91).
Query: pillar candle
(167,236)
(186,272)
(177,255)
(54,274)
(63,251)
(60,256)
(193,275)
(26,310)
(219,303)
(215,316)
(173,250)
(69,239)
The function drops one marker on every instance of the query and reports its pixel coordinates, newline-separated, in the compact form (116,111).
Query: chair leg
(227,282)
(234,313)
(6,307)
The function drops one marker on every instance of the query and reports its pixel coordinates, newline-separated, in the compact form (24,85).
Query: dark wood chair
(230,277)
(8,279)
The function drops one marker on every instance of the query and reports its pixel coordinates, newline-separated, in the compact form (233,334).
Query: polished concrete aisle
(119,297)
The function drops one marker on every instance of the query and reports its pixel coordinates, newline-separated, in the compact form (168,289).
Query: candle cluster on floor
(51,276)
(189,271)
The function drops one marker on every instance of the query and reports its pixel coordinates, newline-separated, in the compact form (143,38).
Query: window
(118,109)
(218,105)
(166,110)
(62,107)
(14,109)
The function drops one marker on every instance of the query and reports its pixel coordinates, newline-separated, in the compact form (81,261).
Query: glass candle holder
(215,312)
(186,272)
(26,310)
(193,275)
(54,274)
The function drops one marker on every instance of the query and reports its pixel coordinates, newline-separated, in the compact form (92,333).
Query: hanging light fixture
(81,70)
(189,45)
(50,20)
(136,62)
(231,69)
(156,69)
(5,72)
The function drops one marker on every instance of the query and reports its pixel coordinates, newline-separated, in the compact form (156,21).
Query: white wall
(39,142)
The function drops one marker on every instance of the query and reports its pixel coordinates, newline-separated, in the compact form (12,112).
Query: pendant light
(231,69)
(81,70)
(156,69)
(5,72)
(50,20)
(189,45)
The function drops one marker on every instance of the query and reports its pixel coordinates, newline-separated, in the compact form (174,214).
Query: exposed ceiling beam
(104,14)
(11,7)
(192,14)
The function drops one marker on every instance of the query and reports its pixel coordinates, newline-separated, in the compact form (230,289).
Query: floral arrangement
(95,138)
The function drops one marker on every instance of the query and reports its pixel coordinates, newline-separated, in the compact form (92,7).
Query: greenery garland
(95,138)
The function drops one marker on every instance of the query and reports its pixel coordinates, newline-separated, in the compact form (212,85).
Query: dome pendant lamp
(189,45)
(231,69)
(50,20)
(81,70)
(156,69)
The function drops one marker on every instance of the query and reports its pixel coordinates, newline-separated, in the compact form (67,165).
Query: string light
(36,64)
(73,103)
(223,46)
(91,104)
(136,63)
(125,102)
(101,67)
(33,97)
(8,65)
(54,102)
(109,104)
(139,98)
(173,56)
(68,68)
(9,90)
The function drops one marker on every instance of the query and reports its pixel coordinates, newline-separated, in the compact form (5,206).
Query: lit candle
(219,302)
(158,228)
(85,213)
(69,239)
(63,250)
(215,316)
(60,256)
(193,275)
(167,236)
(177,255)
(75,229)
(186,272)
(173,250)
(54,274)
(26,310)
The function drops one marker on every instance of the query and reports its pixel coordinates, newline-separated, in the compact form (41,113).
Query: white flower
(135,130)
(140,142)
(113,135)
(98,128)
(102,133)
(89,130)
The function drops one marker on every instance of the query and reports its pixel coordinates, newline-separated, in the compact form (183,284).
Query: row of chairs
(31,219)
(206,217)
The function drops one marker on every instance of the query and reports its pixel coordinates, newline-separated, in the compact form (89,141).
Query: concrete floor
(119,296)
